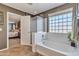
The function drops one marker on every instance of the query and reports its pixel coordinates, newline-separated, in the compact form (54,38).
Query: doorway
(13,29)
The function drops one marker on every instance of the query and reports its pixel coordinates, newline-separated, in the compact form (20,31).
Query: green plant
(72,37)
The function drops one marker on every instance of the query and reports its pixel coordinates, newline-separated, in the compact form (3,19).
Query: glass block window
(78,9)
(61,23)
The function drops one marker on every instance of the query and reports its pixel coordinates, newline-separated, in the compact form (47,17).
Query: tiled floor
(16,49)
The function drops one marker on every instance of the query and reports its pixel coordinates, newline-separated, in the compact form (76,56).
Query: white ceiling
(34,8)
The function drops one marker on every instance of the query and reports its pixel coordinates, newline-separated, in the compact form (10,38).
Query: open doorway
(14,31)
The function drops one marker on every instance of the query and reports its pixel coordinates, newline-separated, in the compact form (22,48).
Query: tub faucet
(43,37)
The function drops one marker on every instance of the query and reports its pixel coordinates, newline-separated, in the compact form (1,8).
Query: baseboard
(3,49)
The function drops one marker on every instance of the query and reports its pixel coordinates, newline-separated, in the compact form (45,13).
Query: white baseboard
(3,49)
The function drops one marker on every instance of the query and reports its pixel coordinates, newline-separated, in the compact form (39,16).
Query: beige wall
(3,33)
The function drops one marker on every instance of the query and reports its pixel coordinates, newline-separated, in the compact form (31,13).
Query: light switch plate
(0,29)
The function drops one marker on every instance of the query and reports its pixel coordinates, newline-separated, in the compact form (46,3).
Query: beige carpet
(19,50)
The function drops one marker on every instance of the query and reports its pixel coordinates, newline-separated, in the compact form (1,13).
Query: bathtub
(56,48)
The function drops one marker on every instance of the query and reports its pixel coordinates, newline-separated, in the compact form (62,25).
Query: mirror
(1,18)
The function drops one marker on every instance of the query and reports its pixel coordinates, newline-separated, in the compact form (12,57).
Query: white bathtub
(55,44)
(56,49)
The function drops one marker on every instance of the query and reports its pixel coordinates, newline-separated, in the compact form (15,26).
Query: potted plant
(72,38)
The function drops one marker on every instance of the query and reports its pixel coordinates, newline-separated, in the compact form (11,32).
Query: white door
(25,30)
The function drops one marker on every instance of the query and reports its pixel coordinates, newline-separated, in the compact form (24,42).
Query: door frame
(8,27)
